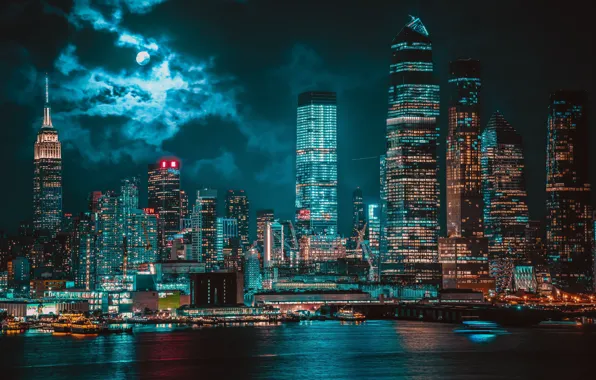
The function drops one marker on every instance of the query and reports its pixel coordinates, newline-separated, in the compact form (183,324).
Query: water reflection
(481,338)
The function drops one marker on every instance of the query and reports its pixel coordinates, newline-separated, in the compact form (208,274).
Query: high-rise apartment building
(568,230)
(237,207)
(204,229)
(316,163)
(47,176)
(411,167)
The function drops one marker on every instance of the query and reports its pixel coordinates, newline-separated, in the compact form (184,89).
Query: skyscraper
(227,232)
(47,177)
(110,258)
(412,187)
(464,195)
(237,207)
(374,228)
(164,198)
(263,216)
(569,235)
(204,229)
(358,215)
(504,189)
(463,254)
(316,163)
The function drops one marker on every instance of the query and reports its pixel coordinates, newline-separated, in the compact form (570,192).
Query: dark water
(327,350)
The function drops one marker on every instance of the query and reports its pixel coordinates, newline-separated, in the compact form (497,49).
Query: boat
(64,322)
(348,314)
(11,325)
(564,324)
(84,326)
(474,327)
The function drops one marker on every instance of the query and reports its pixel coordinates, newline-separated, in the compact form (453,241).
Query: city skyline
(505,87)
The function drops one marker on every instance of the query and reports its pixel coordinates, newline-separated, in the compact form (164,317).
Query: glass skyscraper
(464,188)
(411,167)
(504,189)
(316,163)
(569,232)
(263,216)
(204,229)
(47,177)
(358,215)
(164,197)
(237,207)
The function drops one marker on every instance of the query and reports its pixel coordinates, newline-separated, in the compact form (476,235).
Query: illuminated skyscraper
(504,189)
(47,177)
(164,198)
(464,195)
(316,163)
(374,228)
(227,231)
(237,207)
(358,215)
(110,258)
(569,235)
(204,229)
(263,216)
(412,186)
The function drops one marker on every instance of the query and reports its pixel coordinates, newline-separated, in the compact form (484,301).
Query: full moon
(143,58)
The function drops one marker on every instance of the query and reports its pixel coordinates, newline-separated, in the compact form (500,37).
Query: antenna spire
(47,117)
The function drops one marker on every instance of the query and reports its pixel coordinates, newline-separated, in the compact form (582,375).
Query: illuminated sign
(303,214)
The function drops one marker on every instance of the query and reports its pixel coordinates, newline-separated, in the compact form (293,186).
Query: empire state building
(47,177)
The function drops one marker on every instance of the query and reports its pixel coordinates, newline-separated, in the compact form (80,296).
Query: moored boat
(348,314)
(480,327)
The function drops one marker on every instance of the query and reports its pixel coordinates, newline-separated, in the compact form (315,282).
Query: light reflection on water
(316,349)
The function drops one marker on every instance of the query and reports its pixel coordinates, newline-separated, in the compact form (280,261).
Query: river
(306,350)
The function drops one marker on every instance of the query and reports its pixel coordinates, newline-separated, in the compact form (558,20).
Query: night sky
(221,88)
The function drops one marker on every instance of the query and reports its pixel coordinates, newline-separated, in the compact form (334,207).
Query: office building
(411,167)
(569,216)
(47,177)
(217,289)
(358,215)
(228,242)
(316,163)
(163,195)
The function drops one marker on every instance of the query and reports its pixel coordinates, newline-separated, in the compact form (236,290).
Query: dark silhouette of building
(217,289)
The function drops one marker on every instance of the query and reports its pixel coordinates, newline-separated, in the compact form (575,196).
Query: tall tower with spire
(47,176)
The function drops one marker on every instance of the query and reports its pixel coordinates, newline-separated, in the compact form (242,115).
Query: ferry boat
(64,322)
(480,327)
(11,325)
(84,326)
(348,314)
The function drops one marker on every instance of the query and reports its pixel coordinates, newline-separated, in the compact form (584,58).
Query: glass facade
(504,190)
(374,228)
(47,175)
(227,231)
(569,232)
(411,168)
(204,229)
(237,207)
(263,216)
(316,163)
(163,195)
(464,189)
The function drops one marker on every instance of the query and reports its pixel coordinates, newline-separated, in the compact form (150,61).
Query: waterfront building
(19,274)
(47,177)
(237,207)
(504,189)
(316,163)
(204,229)
(569,228)
(464,262)
(217,289)
(163,195)
(411,167)
(263,216)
